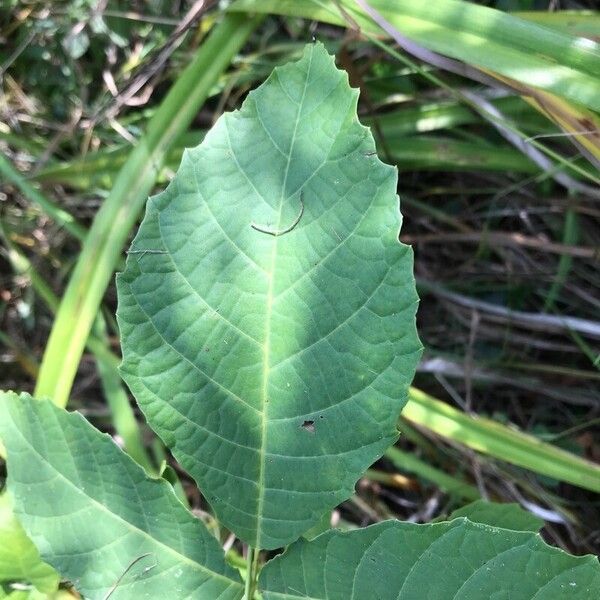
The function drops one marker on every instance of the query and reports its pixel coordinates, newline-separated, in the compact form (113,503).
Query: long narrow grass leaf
(499,441)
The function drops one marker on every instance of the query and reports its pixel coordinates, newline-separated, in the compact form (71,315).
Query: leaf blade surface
(457,559)
(96,516)
(274,366)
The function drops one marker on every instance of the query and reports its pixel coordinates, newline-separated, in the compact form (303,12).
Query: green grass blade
(99,169)
(581,23)
(408,462)
(119,212)
(436,116)
(444,153)
(499,441)
(122,414)
(570,238)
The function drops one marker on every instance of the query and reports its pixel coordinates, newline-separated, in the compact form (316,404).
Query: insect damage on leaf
(308,426)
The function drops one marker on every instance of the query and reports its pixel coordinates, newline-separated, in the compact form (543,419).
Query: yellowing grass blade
(580,124)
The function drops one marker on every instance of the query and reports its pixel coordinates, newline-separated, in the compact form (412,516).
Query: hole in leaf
(309,426)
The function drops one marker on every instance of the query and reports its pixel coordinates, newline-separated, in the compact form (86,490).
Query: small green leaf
(267,310)
(458,559)
(20,561)
(507,516)
(96,516)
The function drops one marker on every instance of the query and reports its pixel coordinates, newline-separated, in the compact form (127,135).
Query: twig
(143,253)
(131,564)
(536,321)
(276,233)
(127,95)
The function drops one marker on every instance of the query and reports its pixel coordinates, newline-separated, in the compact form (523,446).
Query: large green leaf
(457,559)
(274,366)
(96,516)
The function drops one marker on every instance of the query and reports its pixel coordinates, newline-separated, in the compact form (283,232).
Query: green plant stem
(251,562)
(114,220)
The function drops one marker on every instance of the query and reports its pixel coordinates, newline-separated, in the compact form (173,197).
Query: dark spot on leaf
(309,426)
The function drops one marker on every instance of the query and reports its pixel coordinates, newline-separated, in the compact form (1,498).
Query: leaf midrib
(268,318)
